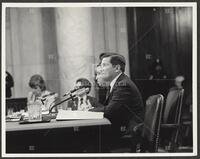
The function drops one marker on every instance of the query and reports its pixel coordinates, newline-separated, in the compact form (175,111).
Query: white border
(194,77)
(3,64)
(152,4)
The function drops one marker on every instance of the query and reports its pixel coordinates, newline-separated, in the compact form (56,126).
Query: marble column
(75,46)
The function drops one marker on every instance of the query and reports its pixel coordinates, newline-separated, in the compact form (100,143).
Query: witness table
(56,136)
(53,124)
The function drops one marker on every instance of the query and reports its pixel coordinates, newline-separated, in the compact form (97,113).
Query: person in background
(39,93)
(83,101)
(157,71)
(101,85)
(179,81)
(98,77)
(9,84)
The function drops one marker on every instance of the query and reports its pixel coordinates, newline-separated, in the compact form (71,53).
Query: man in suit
(123,105)
(83,101)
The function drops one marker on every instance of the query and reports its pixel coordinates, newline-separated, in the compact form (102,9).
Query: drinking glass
(35,111)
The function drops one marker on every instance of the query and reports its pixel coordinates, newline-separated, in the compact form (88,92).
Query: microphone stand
(71,97)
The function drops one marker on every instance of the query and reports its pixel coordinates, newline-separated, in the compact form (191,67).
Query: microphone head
(50,94)
(74,91)
(82,91)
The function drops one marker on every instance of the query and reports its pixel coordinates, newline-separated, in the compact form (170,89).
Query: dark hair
(116,59)
(84,83)
(37,80)
(106,54)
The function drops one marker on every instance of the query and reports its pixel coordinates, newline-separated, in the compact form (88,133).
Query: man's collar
(112,83)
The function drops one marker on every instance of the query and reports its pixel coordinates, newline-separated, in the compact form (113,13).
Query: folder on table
(75,115)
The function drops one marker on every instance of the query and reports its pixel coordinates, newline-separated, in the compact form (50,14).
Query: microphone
(50,94)
(77,92)
(72,91)
(43,98)
(81,91)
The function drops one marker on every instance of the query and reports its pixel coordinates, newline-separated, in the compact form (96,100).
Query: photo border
(127,4)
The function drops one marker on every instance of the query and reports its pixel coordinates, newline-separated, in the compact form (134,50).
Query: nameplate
(76,115)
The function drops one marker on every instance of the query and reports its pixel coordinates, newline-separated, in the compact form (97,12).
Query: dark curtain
(164,33)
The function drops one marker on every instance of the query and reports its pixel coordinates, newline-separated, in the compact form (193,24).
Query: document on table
(74,115)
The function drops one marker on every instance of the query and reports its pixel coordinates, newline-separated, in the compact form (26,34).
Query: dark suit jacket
(9,84)
(124,105)
(93,102)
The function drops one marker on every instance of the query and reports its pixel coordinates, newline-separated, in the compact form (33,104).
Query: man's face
(108,71)
(78,85)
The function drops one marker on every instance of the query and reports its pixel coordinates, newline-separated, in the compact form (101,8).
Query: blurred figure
(9,84)
(99,79)
(101,86)
(82,101)
(179,81)
(39,93)
(157,71)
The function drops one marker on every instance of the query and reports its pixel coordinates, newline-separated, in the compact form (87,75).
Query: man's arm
(121,96)
(119,101)
(98,107)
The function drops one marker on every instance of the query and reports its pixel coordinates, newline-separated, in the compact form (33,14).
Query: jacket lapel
(109,96)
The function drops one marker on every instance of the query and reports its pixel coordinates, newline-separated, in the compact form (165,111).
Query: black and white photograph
(99,79)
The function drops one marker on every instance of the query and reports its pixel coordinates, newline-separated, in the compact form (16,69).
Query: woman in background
(39,93)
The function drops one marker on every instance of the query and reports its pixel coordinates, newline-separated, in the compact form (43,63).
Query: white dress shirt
(85,105)
(112,83)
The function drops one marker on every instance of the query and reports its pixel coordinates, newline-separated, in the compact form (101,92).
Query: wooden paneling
(164,33)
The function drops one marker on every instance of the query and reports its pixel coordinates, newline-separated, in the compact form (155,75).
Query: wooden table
(53,124)
(56,136)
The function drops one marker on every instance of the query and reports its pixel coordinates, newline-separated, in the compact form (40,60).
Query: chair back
(152,121)
(173,107)
(16,104)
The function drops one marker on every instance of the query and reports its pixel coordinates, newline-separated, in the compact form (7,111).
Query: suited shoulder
(124,80)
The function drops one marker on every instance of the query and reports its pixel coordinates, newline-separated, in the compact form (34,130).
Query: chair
(170,127)
(16,104)
(145,136)
(151,126)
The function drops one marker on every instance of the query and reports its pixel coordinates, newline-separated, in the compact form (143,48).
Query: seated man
(83,101)
(123,105)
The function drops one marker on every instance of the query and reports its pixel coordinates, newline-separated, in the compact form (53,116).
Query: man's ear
(117,68)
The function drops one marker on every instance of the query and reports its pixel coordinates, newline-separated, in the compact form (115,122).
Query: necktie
(108,92)
(81,101)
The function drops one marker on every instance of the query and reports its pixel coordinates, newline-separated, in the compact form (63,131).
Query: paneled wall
(164,33)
